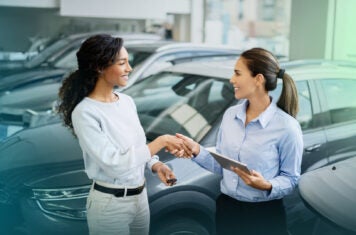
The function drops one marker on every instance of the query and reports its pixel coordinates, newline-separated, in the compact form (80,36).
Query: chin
(122,84)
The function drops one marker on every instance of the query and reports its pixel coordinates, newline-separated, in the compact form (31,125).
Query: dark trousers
(249,218)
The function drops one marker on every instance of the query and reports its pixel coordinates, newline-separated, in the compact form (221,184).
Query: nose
(128,68)
(232,79)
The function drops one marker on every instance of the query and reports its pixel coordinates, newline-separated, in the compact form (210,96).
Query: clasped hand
(182,146)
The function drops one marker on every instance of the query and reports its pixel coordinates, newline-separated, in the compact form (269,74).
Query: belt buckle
(121,193)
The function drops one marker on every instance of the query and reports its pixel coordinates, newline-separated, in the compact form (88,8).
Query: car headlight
(64,202)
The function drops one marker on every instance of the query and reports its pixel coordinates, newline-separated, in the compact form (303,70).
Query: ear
(99,70)
(260,79)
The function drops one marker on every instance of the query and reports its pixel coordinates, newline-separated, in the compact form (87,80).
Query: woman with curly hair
(112,139)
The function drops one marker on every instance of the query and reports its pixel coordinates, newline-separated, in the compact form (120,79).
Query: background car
(330,193)
(60,58)
(56,48)
(44,185)
(26,97)
(55,60)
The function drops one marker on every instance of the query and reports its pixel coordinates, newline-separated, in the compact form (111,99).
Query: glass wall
(249,23)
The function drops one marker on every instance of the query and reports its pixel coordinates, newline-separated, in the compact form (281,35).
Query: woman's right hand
(176,145)
(189,143)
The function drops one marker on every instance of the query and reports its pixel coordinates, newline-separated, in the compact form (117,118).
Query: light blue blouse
(271,144)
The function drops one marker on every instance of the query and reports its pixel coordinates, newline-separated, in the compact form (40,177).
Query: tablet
(227,163)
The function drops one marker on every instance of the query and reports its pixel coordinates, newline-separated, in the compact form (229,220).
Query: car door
(311,120)
(339,104)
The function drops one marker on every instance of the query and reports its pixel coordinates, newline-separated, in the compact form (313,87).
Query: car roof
(166,45)
(124,35)
(299,69)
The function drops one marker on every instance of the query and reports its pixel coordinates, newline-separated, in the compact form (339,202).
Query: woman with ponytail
(112,139)
(266,136)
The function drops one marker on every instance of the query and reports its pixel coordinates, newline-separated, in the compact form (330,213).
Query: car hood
(39,146)
(50,157)
(331,191)
(25,77)
(37,153)
(187,172)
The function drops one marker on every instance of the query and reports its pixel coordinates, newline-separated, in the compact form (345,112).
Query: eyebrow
(121,60)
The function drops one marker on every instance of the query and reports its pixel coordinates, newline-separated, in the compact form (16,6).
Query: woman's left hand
(165,174)
(255,179)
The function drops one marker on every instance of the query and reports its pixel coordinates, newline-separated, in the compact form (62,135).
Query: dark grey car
(44,186)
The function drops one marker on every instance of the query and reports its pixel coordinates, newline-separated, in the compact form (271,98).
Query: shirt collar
(264,118)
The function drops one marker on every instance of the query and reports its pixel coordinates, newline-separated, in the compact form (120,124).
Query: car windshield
(169,103)
(46,53)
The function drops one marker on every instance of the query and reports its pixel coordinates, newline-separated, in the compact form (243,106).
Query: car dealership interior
(182,55)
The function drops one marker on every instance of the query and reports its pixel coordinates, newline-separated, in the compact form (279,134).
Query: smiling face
(245,85)
(117,74)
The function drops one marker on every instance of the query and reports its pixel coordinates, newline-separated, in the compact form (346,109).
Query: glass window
(305,114)
(48,52)
(340,97)
(136,57)
(68,60)
(180,103)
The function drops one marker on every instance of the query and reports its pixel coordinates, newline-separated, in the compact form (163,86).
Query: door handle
(312,148)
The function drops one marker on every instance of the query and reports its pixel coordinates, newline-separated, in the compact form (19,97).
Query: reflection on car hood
(331,192)
(29,77)
(62,180)
(39,146)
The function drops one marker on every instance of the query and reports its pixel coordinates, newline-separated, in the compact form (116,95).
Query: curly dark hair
(95,54)
(261,61)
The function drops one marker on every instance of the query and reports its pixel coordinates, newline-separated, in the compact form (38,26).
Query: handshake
(181,146)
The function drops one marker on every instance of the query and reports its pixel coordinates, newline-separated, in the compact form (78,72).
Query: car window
(136,57)
(46,53)
(305,114)
(180,103)
(68,61)
(340,98)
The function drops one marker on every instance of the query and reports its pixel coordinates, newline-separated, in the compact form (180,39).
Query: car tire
(181,226)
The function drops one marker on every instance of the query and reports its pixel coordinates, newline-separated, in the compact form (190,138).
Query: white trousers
(109,215)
